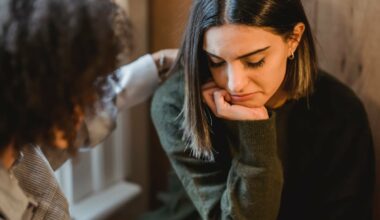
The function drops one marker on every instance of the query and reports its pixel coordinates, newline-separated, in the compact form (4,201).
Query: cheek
(274,74)
(59,140)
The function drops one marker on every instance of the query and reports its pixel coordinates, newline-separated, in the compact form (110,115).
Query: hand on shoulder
(164,60)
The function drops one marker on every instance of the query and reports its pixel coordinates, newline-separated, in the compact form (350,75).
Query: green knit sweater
(312,159)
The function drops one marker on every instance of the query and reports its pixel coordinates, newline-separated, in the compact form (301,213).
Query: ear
(296,37)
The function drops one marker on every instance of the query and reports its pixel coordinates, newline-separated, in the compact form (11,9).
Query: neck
(8,156)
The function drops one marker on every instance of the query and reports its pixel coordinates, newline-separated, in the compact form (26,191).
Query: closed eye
(215,64)
(256,64)
(248,64)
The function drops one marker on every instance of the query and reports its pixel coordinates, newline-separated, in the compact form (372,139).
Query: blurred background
(120,179)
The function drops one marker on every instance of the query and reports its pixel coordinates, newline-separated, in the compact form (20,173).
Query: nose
(237,79)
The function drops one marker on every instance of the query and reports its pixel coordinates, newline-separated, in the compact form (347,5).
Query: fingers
(219,101)
(221,104)
(208,95)
(216,99)
(222,108)
(208,85)
(170,55)
(164,59)
(168,58)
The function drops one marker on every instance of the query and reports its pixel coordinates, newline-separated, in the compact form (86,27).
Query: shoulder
(332,111)
(336,99)
(339,126)
(167,103)
(166,114)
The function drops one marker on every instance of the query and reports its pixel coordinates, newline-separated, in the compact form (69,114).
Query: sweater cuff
(137,82)
(144,67)
(258,141)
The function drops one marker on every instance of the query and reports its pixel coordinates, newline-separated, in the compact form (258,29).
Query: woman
(253,129)
(56,60)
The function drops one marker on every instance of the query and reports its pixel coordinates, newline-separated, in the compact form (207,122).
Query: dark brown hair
(279,16)
(55,57)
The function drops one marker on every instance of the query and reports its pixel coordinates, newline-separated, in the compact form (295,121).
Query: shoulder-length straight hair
(279,16)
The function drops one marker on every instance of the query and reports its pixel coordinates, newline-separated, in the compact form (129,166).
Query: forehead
(238,39)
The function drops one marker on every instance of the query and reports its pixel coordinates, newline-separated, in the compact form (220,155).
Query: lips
(243,97)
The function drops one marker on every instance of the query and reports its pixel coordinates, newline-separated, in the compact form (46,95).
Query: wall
(167,21)
(348,39)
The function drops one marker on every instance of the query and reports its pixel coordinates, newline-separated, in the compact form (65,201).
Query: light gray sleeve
(135,83)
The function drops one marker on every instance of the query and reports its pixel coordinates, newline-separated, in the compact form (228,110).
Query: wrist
(258,139)
(258,114)
(249,114)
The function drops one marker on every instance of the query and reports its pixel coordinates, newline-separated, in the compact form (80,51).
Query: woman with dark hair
(59,91)
(251,126)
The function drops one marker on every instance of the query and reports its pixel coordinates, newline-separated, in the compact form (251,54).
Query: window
(94,183)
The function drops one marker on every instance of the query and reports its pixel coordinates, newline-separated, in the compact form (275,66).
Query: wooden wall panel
(167,21)
(348,38)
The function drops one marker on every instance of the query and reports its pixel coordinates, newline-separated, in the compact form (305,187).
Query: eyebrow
(242,56)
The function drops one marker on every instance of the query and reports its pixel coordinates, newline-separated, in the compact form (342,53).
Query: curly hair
(55,57)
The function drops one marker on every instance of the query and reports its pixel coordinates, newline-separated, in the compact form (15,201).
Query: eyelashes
(255,65)
(246,63)
(214,65)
